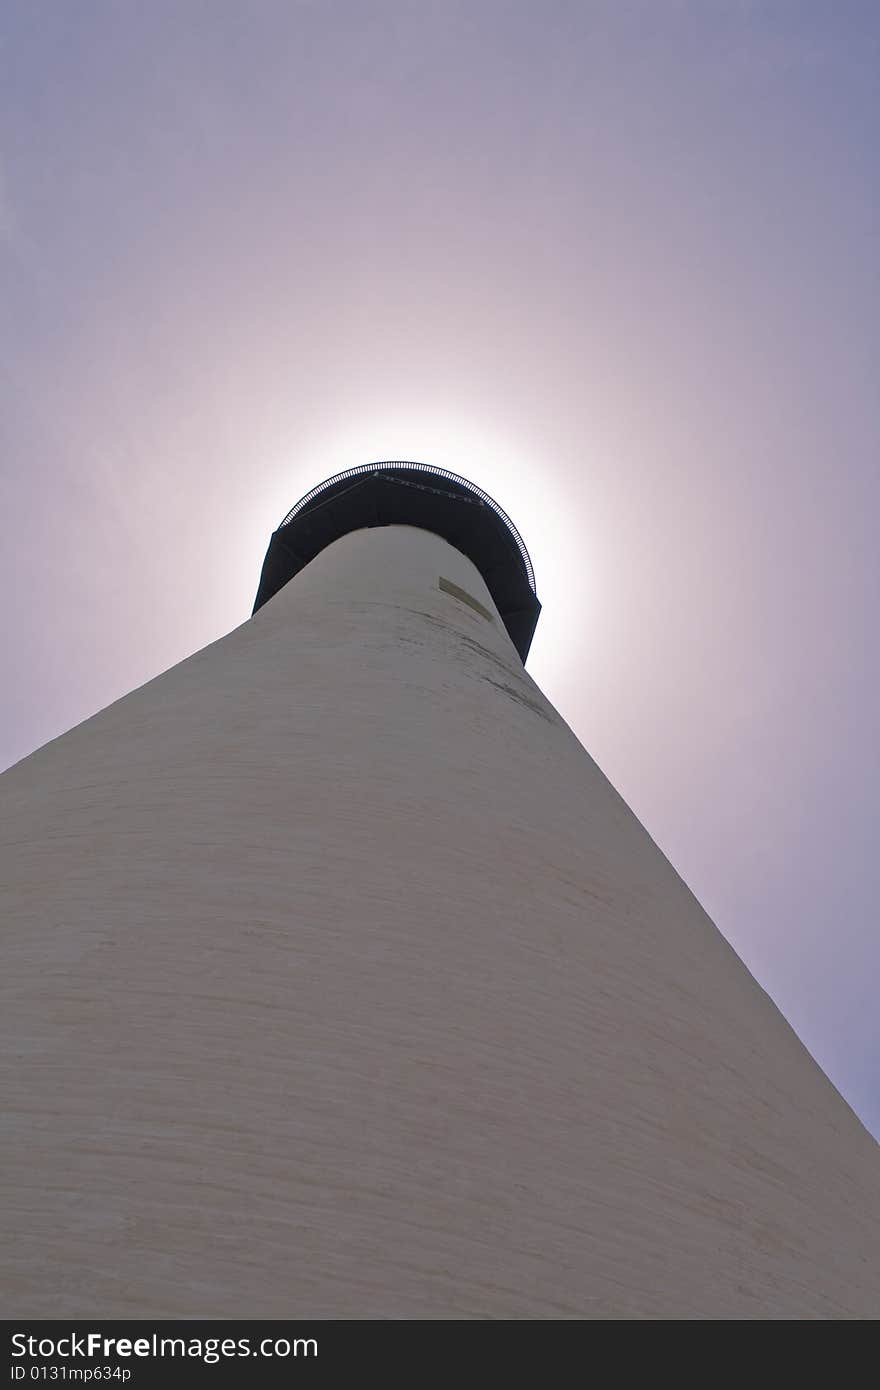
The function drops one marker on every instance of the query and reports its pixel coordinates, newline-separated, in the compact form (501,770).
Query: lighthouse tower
(339,982)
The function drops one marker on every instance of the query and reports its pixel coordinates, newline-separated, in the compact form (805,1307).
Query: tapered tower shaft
(340,982)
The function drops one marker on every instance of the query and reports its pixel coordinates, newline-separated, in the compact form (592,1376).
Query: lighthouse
(339,982)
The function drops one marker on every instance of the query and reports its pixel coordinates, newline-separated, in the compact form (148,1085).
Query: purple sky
(617,263)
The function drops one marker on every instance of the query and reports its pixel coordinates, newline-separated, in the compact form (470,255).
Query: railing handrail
(422,468)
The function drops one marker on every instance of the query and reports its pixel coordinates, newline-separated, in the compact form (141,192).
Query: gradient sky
(617,263)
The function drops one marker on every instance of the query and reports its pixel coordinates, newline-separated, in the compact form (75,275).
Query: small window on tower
(449,588)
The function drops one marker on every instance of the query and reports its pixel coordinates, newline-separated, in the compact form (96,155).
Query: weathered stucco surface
(338,981)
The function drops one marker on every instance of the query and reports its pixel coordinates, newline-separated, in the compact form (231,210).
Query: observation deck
(399,493)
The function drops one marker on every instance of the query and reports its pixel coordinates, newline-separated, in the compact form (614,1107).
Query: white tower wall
(340,982)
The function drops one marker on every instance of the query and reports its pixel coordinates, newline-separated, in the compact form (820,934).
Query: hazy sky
(617,263)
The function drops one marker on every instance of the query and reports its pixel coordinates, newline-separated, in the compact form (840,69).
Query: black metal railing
(388,465)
